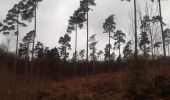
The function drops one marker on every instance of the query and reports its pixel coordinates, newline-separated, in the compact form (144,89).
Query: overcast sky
(53,18)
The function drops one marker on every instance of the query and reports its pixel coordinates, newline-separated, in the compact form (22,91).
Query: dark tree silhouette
(85,7)
(92,47)
(25,46)
(112,56)
(39,50)
(52,54)
(12,26)
(119,38)
(135,25)
(128,51)
(167,38)
(12,23)
(99,54)
(28,12)
(109,27)
(64,41)
(76,21)
(144,39)
(1,26)
(32,13)
(74,57)
(107,50)
(146,24)
(157,45)
(82,54)
(162,30)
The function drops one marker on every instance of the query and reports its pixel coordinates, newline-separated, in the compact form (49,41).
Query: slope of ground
(110,86)
(94,87)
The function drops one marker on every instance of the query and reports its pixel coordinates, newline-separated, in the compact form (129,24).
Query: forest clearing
(84,50)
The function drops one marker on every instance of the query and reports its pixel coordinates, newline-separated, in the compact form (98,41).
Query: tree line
(145,23)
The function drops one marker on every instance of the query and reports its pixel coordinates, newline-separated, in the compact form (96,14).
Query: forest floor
(110,86)
(92,87)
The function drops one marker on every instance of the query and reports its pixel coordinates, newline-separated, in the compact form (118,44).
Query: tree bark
(76,44)
(87,58)
(168,49)
(150,31)
(136,40)
(163,37)
(119,45)
(32,56)
(109,46)
(87,55)
(75,69)
(16,58)
(26,62)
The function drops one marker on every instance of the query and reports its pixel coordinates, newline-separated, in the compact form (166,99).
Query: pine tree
(1,26)
(157,45)
(39,50)
(144,41)
(161,23)
(107,53)
(52,54)
(92,47)
(99,54)
(119,39)
(146,24)
(82,54)
(76,21)
(135,25)
(127,51)
(112,56)
(74,57)
(64,41)
(167,38)
(12,23)
(85,7)
(109,27)
(28,12)
(25,46)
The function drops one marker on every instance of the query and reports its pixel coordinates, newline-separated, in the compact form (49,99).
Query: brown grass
(110,84)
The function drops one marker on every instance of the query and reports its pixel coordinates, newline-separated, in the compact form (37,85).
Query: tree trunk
(75,52)
(119,46)
(65,57)
(150,31)
(76,44)
(163,37)
(136,40)
(16,58)
(109,46)
(87,55)
(8,43)
(168,49)
(32,56)
(26,62)
(144,51)
(87,36)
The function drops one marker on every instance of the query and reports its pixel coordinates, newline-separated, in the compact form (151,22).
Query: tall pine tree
(109,27)
(85,7)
